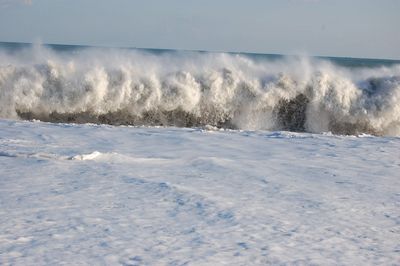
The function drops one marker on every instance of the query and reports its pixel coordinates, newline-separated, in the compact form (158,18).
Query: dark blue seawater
(14,47)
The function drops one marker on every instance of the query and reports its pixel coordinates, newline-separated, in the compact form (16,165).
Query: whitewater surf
(193,89)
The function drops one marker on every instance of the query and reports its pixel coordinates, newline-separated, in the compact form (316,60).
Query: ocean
(179,187)
(152,87)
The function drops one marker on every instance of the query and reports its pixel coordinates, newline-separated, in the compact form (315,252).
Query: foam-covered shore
(186,89)
(106,195)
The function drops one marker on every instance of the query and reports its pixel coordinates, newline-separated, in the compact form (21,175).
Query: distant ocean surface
(121,86)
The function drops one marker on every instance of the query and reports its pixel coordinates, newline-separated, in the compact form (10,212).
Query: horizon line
(197,50)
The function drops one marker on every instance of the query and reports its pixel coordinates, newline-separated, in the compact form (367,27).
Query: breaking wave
(186,89)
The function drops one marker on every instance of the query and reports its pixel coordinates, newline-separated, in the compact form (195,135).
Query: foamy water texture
(186,89)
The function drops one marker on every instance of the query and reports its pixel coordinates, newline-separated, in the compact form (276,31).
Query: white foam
(84,157)
(177,196)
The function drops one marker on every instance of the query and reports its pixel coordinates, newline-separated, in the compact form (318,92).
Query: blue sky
(358,28)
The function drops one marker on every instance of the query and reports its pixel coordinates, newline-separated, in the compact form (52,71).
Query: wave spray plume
(135,87)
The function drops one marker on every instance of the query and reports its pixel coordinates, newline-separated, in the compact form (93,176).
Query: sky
(355,28)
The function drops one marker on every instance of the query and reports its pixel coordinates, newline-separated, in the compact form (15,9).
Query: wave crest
(198,89)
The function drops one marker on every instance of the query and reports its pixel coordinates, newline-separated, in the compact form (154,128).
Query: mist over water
(186,89)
